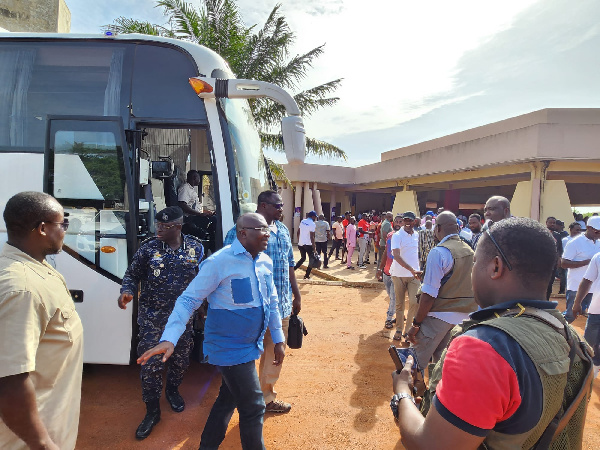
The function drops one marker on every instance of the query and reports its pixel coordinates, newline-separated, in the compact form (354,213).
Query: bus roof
(206,59)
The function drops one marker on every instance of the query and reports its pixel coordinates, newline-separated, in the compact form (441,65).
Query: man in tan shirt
(41,337)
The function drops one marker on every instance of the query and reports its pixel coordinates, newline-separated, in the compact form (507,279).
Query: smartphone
(399,356)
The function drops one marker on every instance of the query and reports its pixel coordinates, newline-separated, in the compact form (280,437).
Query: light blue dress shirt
(281,252)
(242,302)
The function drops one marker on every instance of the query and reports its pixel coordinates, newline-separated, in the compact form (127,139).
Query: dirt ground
(339,385)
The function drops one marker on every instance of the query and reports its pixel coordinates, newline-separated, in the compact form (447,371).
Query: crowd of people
(467,294)
(455,286)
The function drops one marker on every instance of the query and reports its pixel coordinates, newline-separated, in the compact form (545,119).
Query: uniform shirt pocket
(241,290)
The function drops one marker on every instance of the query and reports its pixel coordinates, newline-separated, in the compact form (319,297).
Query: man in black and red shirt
(493,382)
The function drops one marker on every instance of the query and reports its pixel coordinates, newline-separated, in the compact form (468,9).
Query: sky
(415,71)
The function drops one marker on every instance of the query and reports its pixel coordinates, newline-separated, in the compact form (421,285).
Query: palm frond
(313,146)
(186,19)
(278,172)
(124,25)
(324,149)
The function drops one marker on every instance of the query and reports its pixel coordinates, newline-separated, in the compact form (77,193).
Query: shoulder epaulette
(145,241)
(191,236)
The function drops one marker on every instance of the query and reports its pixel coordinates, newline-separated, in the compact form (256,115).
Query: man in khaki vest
(446,293)
(508,369)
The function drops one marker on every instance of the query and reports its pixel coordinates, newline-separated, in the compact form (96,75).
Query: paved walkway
(337,272)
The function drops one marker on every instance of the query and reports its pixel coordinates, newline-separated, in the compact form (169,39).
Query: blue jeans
(240,389)
(592,336)
(389,287)
(585,304)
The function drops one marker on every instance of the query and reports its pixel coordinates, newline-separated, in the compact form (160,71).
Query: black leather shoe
(175,399)
(151,419)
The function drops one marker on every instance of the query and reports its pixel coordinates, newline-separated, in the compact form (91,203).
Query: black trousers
(336,244)
(322,248)
(304,250)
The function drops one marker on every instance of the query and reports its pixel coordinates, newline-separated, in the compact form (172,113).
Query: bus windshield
(250,170)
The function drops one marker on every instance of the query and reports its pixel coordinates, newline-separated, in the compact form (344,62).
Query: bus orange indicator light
(200,86)
(108,249)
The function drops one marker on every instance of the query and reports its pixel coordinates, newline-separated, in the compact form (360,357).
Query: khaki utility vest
(566,386)
(456,293)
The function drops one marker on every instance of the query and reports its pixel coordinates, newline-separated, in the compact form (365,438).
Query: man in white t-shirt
(591,282)
(306,240)
(188,198)
(405,272)
(197,222)
(338,237)
(576,258)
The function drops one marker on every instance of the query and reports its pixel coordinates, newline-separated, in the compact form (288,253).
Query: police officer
(164,265)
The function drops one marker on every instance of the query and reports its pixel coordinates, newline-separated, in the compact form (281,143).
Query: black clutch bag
(296,332)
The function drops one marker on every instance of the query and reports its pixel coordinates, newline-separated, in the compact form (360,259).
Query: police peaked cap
(169,214)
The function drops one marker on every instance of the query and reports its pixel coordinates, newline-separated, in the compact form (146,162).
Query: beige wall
(35,15)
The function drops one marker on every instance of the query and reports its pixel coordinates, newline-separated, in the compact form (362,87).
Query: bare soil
(339,385)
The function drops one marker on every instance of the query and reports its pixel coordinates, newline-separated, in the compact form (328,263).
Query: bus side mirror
(294,138)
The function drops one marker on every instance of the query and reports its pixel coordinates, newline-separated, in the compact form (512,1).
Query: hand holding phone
(399,356)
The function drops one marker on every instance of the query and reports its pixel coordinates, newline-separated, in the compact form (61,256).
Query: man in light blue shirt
(279,249)
(242,302)
(446,293)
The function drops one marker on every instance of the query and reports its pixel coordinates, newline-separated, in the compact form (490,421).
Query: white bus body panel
(107,328)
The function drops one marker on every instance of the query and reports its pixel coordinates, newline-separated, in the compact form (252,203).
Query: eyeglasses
(276,205)
(265,230)
(64,225)
(486,229)
(163,227)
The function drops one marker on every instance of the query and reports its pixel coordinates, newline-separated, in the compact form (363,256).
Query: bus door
(87,169)
(167,155)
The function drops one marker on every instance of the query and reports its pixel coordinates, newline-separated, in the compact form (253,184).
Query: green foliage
(252,53)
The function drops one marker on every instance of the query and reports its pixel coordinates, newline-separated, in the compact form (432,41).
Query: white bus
(109,125)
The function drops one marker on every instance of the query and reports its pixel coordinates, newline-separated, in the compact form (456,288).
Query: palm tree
(261,54)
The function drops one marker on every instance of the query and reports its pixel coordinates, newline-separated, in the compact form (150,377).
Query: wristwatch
(396,399)
(416,324)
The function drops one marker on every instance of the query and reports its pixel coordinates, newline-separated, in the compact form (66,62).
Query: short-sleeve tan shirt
(41,333)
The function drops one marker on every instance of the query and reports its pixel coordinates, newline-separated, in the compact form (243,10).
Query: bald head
(497,208)
(253,232)
(445,224)
(250,220)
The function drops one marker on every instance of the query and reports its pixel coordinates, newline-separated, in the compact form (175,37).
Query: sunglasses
(486,230)
(64,225)
(276,205)
(163,227)
(264,230)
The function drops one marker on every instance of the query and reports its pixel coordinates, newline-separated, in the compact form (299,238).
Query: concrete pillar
(405,201)
(297,211)
(555,202)
(332,210)
(523,199)
(308,200)
(287,195)
(317,199)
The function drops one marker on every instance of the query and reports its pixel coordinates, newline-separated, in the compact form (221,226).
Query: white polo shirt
(409,251)
(593,274)
(189,195)
(306,227)
(579,248)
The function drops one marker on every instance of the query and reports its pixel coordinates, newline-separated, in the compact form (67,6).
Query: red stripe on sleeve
(478,385)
